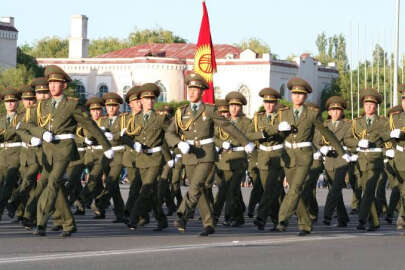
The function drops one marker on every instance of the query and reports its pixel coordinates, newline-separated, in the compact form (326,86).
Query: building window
(163,92)
(217,92)
(102,89)
(125,107)
(244,90)
(282,90)
(81,91)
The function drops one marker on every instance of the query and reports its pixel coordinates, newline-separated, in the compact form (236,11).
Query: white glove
(123,132)
(170,163)
(217,149)
(47,136)
(324,150)
(390,153)
(176,159)
(109,154)
(284,126)
(354,158)
(87,141)
(346,157)
(395,133)
(18,125)
(226,145)
(35,141)
(138,147)
(249,147)
(363,143)
(184,147)
(108,135)
(102,128)
(317,155)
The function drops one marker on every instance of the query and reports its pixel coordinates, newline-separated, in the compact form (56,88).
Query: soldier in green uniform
(270,150)
(114,125)
(10,145)
(298,124)
(152,153)
(93,159)
(335,168)
(232,163)
(397,126)
(55,120)
(29,166)
(192,131)
(370,132)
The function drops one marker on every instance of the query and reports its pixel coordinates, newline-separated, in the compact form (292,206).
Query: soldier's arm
(171,136)
(348,138)
(317,139)
(385,131)
(83,118)
(329,136)
(166,152)
(234,132)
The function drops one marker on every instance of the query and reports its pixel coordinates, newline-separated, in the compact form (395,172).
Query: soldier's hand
(123,132)
(47,136)
(226,145)
(354,158)
(87,141)
(170,163)
(184,147)
(18,125)
(363,143)
(35,141)
(284,126)
(109,154)
(317,155)
(390,153)
(109,136)
(217,149)
(396,133)
(137,147)
(249,147)
(176,158)
(324,150)
(346,157)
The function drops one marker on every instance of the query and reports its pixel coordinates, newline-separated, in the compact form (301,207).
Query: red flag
(204,59)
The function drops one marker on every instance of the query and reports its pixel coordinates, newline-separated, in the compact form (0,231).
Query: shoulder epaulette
(72,98)
(312,108)
(260,113)
(284,108)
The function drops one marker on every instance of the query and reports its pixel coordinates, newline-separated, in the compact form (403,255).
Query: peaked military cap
(149,90)
(95,103)
(10,94)
(370,95)
(40,84)
(336,102)
(298,85)
(55,73)
(235,97)
(112,98)
(27,92)
(222,105)
(132,94)
(269,94)
(196,80)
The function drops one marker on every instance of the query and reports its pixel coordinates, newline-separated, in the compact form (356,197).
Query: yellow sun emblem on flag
(203,62)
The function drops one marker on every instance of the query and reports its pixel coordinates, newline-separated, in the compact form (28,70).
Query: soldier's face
(28,102)
(56,88)
(234,110)
(298,98)
(112,110)
(194,94)
(369,108)
(225,114)
(147,103)
(11,106)
(403,104)
(269,107)
(335,114)
(42,95)
(136,105)
(95,114)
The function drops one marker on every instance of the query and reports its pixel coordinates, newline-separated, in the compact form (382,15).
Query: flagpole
(365,57)
(396,52)
(358,70)
(351,70)
(385,94)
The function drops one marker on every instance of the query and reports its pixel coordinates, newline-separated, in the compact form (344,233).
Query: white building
(168,64)
(8,42)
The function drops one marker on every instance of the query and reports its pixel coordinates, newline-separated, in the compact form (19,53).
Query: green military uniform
(270,149)
(232,164)
(335,167)
(115,126)
(397,125)
(298,156)
(152,154)
(374,132)
(55,120)
(10,145)
(193,127)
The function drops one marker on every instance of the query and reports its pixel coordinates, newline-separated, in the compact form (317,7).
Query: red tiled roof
(8,28)
(173,50)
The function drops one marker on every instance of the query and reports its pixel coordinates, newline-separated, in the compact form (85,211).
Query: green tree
(157,35)
(106,45)
(50,47)
(24,58)
(256,45)
(15,77)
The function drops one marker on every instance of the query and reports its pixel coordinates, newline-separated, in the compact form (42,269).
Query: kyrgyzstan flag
(204,59)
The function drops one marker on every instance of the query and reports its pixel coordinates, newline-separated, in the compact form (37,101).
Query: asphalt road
(99,244)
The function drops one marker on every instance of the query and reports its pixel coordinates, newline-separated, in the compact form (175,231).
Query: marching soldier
(55,120)
(298,124)
(192,132)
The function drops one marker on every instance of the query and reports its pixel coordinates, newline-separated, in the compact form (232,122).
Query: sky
(288,26)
